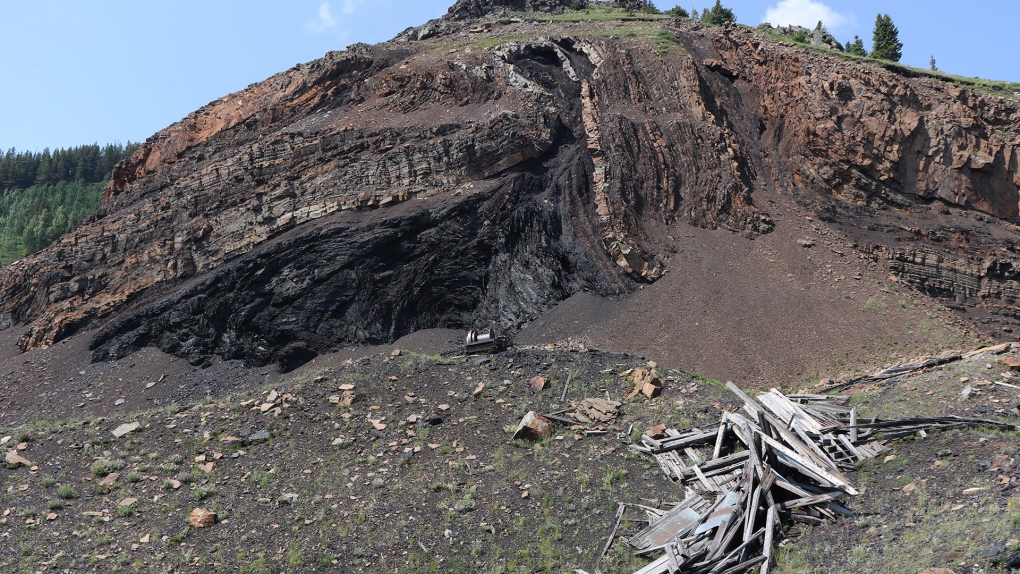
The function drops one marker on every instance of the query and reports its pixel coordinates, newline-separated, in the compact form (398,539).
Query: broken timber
(780,462)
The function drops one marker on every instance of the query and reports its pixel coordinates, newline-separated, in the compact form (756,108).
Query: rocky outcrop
(817,37)
(464,11)
(391,188)
(470,9)
(871,136)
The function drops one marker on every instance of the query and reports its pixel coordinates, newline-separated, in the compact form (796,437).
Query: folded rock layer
(408,185)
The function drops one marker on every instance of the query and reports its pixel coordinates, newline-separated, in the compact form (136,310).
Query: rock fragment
(14,458)
(596,410)
(645,383)
(533,427)
(202,518)
(109,479)
(125,429)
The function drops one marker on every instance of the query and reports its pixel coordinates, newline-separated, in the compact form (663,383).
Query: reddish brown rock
(657,431)
(202,518)
(645,383)
(533,427)
(109,479)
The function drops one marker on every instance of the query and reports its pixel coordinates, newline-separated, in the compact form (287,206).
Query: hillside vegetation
(46,193)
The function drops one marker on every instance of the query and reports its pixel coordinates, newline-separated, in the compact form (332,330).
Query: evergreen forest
(46,193)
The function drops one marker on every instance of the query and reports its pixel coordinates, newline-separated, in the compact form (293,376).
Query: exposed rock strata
(391,188)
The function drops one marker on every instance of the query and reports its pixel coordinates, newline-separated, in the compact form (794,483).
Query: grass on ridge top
(599,12)
(1001,88)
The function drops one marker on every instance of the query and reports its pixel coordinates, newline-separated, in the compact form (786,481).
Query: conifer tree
(856,48)
(885,42)
(717,15)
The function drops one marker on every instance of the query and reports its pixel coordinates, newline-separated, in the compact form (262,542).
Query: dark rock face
(391,188)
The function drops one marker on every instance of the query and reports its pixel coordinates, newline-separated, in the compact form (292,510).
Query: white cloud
(325,20)
(351,5)
(805,13)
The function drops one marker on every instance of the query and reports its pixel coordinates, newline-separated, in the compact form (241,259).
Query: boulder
(202,518)
(533,427)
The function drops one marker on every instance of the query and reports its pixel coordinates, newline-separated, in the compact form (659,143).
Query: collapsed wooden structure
(780,460)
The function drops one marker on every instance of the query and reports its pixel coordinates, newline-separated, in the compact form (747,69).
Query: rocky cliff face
(407,185)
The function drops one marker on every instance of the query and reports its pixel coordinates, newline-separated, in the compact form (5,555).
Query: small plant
(102,467)
(259,479)
(124,511)
(612,475)
(66,492)
(134,477)
(202,493)
(294,557)
(324,562)
(48,481)
(55,505)
(800,37)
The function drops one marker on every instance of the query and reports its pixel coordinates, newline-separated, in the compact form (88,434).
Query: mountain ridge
(564,149)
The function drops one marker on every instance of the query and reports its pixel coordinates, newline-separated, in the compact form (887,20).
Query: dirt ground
(419,474)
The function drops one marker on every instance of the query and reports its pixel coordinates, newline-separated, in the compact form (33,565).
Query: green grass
(1000,88)
(66,491)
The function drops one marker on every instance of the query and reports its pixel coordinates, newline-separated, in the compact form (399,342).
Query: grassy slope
(459,503)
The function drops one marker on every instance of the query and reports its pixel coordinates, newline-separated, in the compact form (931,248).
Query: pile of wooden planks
(780,460)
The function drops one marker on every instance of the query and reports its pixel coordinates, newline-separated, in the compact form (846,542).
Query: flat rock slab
(14,458)
(124,429)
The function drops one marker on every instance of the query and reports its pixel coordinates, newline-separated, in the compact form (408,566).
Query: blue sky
(115,70)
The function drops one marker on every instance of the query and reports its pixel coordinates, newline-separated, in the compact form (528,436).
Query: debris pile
(645,383)
(779,461)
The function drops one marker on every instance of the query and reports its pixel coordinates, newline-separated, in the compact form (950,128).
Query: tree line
(87,163)
(885,37)
(46,193)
